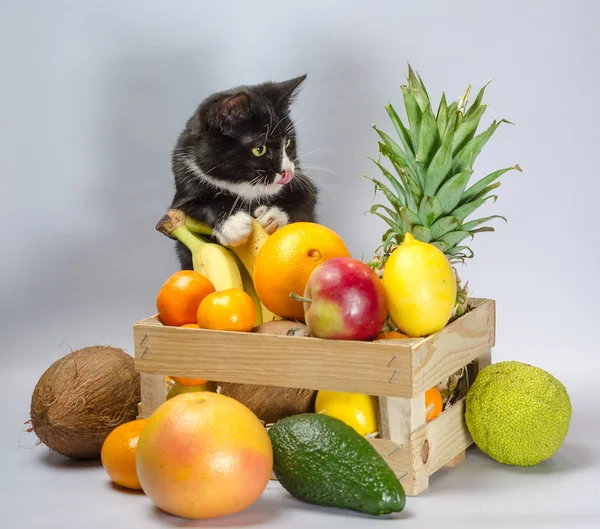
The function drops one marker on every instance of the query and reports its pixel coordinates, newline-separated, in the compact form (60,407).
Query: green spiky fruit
(517,414)
(430,195)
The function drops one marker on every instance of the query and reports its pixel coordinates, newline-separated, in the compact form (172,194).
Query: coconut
(82,397)
(271,403)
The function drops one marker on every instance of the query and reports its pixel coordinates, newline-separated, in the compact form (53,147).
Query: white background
(93,96)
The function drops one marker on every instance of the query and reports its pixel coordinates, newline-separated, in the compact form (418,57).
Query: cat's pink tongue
(287,177)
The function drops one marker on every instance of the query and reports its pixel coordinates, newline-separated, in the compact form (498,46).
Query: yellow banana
(251,291)
(211,260)
(246,254)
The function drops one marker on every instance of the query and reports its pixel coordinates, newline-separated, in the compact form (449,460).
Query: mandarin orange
(118,454)
(227,310)
(390,335)
(433,403)
(179,297)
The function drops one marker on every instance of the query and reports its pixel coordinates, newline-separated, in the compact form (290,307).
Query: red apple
(344,300)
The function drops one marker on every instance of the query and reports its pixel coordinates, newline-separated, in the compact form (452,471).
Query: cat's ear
(283,93)
(224,112)
(233,111)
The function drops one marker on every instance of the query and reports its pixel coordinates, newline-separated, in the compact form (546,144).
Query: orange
(433,403)
(118,454)
(391,335)
(227,310)
(204,455)
(178,299)
(286,260)
(183,381)
(190,326)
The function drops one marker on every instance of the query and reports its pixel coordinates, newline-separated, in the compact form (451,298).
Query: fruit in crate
(203,455)
(119,452)
(321,460)
(433,403)
(420,286)
(179,297)
(178,389)
(283,328)
(270,403)
(186,381)
(391,335)
(228,310)
(344,300)
(430,196)
(517,414)
(286,260)
(361,412)
(243,254)
(82,397)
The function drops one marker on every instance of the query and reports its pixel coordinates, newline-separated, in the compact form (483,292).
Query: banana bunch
(226,268)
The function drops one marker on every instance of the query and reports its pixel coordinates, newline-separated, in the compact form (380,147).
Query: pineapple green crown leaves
(430,196)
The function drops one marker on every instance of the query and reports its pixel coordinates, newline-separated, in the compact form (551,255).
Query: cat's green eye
(288,143)
(259,151)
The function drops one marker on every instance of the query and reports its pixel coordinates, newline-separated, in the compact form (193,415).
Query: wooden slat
(398,458)
(289,361)
(440,440)
(154,393)
(459,343)
(152,320)
(399,417)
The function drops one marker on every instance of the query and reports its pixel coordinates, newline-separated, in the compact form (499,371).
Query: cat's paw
(271,219)
(235,230)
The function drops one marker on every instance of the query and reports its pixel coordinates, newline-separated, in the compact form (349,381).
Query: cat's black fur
(219,138)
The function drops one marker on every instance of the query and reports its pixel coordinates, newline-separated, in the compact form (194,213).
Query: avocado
(321,460)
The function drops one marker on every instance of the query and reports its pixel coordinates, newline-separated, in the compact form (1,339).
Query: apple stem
(295,296)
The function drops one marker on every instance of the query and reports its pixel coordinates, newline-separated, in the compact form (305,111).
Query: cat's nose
(288,174)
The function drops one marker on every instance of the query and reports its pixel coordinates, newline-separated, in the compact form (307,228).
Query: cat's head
(243,140)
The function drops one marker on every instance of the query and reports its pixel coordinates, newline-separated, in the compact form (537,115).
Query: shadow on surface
(56,460)
(265,510)
(291,503)
(481,471)
(123,490)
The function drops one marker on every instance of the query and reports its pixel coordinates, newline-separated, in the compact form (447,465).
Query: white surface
(42,490)
(93,96)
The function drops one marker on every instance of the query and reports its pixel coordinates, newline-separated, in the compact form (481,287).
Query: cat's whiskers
(321,168)
(320,149)
(304,181)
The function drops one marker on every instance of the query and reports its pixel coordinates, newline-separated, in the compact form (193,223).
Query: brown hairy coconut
(82,397)
(270,403)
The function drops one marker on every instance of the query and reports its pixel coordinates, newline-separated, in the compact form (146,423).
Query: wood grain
(399,417)
(440,440)
(383,368)
(154,393)
(455,346)
(289,361)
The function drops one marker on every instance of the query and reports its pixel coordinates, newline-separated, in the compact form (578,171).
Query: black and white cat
(237,158)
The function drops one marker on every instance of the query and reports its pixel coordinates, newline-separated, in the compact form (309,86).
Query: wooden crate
(397,372)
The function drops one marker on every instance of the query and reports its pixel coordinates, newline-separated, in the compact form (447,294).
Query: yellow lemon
(420,286)
(361,412)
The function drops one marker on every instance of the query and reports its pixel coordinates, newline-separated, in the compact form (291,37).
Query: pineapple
(434,163)
(430,196)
